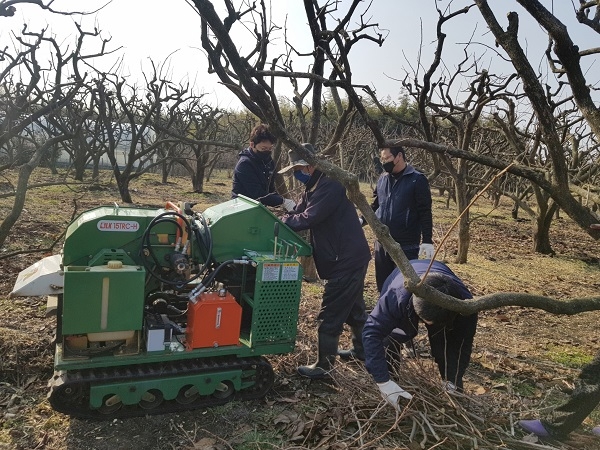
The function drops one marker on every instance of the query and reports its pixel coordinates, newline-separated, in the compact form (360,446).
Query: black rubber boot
(327,354)
(357,351)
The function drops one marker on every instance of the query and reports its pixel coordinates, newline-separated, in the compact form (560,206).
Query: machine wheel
(187,394)
(110,403)
(72,395)
(224,390)
(151,399)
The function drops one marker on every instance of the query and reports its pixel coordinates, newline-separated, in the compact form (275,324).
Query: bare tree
(135,121)
(569,55)
(249,84)
(200,129)
(40,96)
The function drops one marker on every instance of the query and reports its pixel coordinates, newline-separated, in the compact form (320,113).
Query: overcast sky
(170,31)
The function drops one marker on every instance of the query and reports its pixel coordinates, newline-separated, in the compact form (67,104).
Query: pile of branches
(349,413)
(435,417)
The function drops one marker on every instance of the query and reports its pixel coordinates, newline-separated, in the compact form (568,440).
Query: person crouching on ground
(395,320)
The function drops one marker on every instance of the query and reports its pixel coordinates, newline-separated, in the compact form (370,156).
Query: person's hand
(426,251)
(288,204)
(391,392)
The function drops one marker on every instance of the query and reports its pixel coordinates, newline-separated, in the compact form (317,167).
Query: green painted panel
(275,302)
(98,299)
(106,227)
(242,224)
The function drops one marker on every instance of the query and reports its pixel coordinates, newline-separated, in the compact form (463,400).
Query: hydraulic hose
(161,218)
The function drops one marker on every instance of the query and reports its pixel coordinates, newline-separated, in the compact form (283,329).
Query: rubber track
(69,391)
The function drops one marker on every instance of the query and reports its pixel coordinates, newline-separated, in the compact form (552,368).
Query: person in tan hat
(341,255)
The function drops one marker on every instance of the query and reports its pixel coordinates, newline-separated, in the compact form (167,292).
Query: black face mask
(389,166)
(264,156)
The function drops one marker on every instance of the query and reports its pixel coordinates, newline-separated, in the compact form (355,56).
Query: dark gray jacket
(403,203)
(253,177)
(394,315)
(339,243)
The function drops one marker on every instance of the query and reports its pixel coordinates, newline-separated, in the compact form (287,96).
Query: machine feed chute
(243,224)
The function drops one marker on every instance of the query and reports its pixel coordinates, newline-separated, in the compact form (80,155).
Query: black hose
(201,242)
(211,276)
(146,244)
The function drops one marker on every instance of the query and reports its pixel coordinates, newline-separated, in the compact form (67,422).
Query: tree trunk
(199,179)
(123,184)
(464,239)
(165,167)
(541,238)
(541,234)
(52,164)
(22,184)
(96,167)
(308,262)
(79,165)
(514,212)
(462,202)
(309,268)
(15,212)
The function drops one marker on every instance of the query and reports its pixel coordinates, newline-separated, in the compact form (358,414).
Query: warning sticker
(290,271)
(270,272)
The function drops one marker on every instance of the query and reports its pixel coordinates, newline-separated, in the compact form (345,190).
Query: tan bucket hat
(296,159)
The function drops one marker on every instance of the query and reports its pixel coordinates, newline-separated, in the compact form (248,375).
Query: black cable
(209,279)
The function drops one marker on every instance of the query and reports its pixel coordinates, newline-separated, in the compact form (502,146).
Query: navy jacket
(404,204)
(253,177)
(338,241)
(394,312)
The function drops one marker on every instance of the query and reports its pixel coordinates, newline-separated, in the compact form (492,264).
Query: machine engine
(161,310)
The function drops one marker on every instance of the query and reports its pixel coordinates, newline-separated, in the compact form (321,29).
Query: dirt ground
(524,360)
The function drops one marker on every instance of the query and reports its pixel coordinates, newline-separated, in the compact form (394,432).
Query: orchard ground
(524,360)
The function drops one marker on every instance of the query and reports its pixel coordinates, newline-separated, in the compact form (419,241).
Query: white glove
(391,392)
(426,251)
(288,204)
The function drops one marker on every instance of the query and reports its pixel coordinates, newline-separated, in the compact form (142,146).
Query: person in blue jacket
(395,320)
(341,255)
(253,175)
(402,201)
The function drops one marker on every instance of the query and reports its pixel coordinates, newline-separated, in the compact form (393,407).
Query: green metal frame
(243,224)
(240,228)
(132,392)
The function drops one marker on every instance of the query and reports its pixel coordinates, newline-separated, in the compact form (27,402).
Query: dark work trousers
(384,265)
(451,347)
(581,403)
(343,302)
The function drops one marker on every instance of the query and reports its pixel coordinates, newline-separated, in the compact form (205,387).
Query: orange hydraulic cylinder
(213,321)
